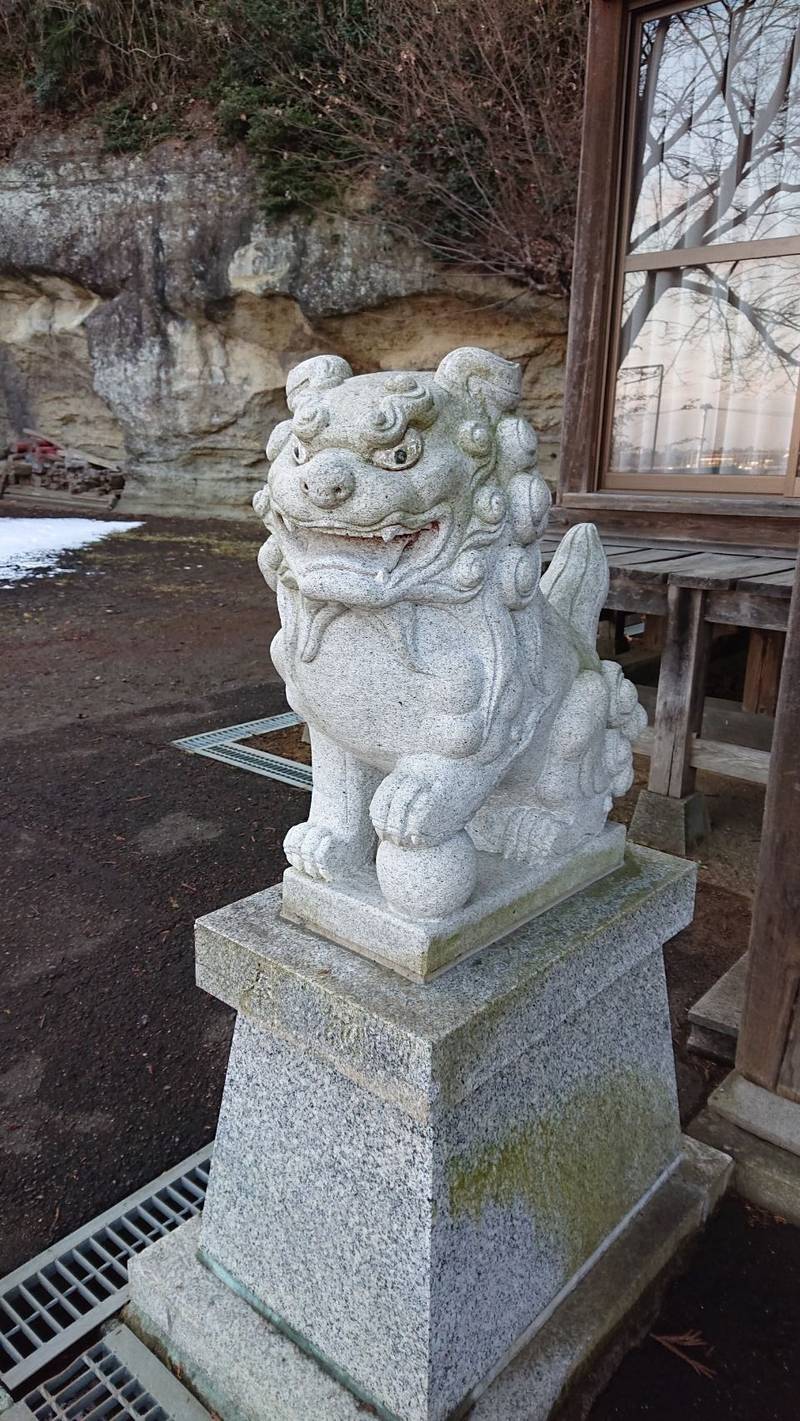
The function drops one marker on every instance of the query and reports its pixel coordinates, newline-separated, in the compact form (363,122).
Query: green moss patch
(575,1168)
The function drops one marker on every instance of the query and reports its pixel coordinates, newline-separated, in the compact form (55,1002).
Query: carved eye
(402,455)
(299,452)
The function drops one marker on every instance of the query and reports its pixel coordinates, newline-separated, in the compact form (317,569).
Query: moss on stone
(574,1168)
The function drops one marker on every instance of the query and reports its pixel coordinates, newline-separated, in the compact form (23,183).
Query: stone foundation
(409,1179)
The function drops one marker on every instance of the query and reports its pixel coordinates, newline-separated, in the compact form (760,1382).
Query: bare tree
(466,119)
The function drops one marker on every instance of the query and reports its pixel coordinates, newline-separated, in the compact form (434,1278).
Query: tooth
(380,576)
(387,534)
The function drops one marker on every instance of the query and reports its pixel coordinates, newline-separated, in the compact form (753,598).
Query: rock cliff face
(147,314)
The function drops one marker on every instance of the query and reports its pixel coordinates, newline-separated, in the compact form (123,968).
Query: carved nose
(328,485)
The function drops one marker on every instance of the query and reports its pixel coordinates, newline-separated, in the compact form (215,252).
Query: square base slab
(355,914)
(244,1369)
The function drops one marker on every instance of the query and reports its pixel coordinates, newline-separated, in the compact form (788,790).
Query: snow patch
(31,547)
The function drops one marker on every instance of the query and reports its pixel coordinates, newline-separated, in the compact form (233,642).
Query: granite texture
(408,1176)
(675,826)
(764,1113)
(763,1173)
(246,1370)
(356,914)
(454,695)
(415,1045)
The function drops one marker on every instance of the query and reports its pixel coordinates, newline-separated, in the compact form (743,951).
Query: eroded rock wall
(147,314)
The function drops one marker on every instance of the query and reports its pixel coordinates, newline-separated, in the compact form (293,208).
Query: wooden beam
(595,242)
(720,757)
(760,524)
(763,672)
(681,691)
(747,609)
(769,1048)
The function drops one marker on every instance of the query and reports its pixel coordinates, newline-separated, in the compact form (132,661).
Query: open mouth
(377,551)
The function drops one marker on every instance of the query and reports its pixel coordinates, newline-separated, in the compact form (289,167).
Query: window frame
(594,344)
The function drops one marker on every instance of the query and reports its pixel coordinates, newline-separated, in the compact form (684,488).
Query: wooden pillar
(681,692)
(763,673)
(769,1038)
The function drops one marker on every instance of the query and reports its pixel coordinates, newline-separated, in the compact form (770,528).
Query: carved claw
(404,811)
(316,851)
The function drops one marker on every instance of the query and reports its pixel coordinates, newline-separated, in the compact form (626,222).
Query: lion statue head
(403,486)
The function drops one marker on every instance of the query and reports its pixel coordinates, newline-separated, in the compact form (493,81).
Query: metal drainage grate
(60,1296)
(117,1377)
(225,745)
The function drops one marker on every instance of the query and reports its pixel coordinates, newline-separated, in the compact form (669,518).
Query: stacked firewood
(36,462)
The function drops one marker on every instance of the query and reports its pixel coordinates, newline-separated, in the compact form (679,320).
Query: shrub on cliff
(458,120)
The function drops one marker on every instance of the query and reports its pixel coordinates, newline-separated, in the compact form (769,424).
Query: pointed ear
(278,439)
(322,372)
(474,374)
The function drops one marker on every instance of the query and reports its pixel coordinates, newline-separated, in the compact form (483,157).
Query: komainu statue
(456,703)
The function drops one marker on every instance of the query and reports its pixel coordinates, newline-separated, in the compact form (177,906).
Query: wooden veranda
(682,407)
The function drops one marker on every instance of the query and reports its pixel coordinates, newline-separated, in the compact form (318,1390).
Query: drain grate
(115,1378)
(207,739)
(225,745)
(60,1296)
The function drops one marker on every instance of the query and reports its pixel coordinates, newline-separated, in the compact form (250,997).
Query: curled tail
(576,582)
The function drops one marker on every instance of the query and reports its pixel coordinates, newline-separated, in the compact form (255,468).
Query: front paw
(411,810)
(316,851)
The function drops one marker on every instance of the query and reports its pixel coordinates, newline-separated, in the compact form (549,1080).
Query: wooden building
(682,414)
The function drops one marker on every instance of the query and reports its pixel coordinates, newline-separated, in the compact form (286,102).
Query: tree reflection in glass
(717,155)
(709,383)
(709,351)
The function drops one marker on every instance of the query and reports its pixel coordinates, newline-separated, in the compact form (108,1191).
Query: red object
(42,448)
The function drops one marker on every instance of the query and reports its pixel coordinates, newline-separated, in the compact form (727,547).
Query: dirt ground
(111,1061)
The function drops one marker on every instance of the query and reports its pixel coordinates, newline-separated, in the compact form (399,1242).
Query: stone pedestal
(507,895)
(409,1179)
(674,825)
(760,1130)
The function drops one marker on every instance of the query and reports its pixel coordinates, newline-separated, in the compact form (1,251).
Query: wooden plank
(76,503)
(747,609)
(706,569)
(719,757)
(616,550)
(747,507)
(781,582)
(763,671)
(711,569)
(631,594)
(595,240)
(735,762)
(789,1078)
(766,524)
(646,557)
(654,632)
(767,1052)
(681,690)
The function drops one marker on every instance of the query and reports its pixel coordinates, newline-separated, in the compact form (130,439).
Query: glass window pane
(709,369)
(717,129)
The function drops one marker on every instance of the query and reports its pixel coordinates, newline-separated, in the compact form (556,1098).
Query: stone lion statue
(454,695)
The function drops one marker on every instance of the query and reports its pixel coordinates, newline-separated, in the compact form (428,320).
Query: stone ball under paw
(427,882)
